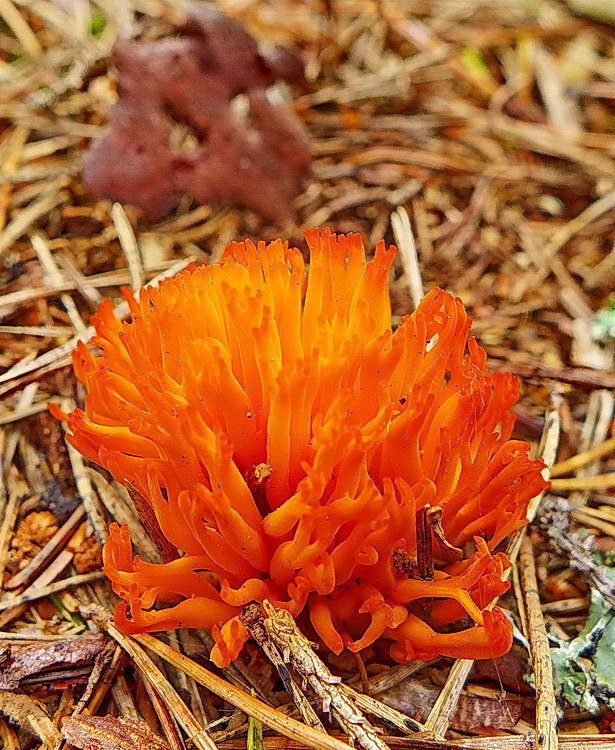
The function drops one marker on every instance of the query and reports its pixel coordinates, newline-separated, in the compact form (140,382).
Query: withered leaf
(255,155)
(110,733)
(21,661)
(411,696)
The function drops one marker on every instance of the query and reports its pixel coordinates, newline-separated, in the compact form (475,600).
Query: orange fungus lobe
(285,437)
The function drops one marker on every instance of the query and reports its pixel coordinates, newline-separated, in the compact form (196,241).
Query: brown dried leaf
(18,662)
(411,696)
(257,158)
(110,733)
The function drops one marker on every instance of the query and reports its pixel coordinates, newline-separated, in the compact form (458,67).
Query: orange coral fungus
(286,437)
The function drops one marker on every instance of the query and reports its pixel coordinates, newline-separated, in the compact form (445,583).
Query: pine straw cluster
(491,126)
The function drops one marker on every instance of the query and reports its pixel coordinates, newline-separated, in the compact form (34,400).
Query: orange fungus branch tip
(285,437)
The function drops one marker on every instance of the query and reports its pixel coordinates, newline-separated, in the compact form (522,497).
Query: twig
(546,705)
(297,650)
(572,375)
(252,618)
(48,552)
(556,526)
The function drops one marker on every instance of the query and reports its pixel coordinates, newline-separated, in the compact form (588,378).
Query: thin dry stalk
(546,705)
(49,551)
(38,592)
(582,459)
(600,482)
(91,503)
(15,21)
(24,220)
(595,431)
(51,269)
(10,511)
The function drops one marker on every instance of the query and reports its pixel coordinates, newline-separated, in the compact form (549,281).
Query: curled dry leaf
(110,733)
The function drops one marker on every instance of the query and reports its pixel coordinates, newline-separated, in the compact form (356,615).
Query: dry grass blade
(49,265)
(600,482)
(29,215)
(15,21)
(404,237)
(582,459)
(594,432)
(60,356)
(38,592)
(289,727)
(10,510)
(128,241)
(91,503)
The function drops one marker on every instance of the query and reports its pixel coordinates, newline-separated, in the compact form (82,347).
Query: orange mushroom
(253,364)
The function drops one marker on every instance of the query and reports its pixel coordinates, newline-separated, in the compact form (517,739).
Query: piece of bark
(110,733)
(472,713)
(259,158)
(18,662)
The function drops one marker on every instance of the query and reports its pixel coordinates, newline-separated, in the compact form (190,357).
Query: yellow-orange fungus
(285,437)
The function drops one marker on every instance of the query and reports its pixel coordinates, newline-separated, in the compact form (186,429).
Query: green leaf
(98,23)
(255,734)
